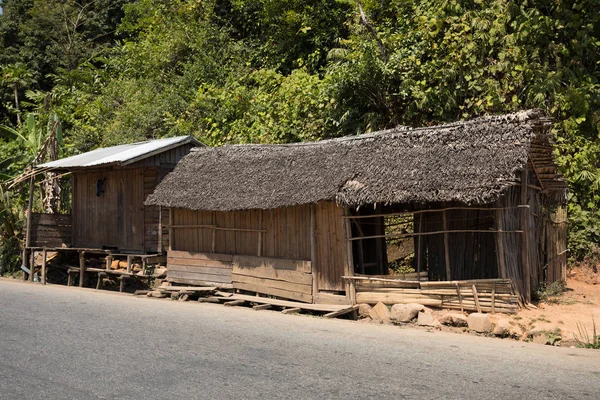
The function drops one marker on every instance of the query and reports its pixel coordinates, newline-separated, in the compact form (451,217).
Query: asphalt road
(71,343)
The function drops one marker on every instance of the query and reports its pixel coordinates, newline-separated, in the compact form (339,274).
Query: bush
(10,256)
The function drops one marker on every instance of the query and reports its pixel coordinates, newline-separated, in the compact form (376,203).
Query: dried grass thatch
(468,162)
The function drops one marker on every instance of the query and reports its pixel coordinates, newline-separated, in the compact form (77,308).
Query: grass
(548,292)
(585,340)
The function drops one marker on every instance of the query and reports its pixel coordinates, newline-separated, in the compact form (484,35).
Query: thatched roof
(468,162)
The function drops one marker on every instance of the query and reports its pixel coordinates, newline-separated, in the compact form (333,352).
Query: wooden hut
(109,186)
(314,222)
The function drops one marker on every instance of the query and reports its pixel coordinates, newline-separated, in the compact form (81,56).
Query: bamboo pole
(525,237)
(433,210)
(28,230)
(403,235)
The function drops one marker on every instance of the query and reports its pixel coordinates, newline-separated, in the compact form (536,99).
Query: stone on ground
(426,319)
(454,319)
(380,313)
(480,322)
(502,328)
(405,312)
(364,310)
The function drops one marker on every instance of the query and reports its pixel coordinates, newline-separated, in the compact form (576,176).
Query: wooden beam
(262,307)
(235,303)
(446,247)
(341,312)
(476,297)
(293,310)
(525,236)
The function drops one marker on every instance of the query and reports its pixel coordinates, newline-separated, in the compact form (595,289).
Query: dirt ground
(574,312)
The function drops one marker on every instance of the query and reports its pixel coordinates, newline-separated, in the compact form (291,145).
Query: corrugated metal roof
(123,154)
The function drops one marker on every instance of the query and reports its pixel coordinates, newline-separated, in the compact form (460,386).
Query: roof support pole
(419,250)
(525,236)
(349,261)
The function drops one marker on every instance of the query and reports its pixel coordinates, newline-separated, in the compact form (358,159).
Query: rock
(380,313)
(405,312)
(426,319)
(364,310)
(453,319)
(480,322)
(502,327)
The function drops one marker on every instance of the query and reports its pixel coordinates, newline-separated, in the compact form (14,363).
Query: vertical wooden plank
(500,244)
(419,245)
(171,223)
(260,234)
(313,251)
(525,236)
(349,259)
(44,255)
(446,247)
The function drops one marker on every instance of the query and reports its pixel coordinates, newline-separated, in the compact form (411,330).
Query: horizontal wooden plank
(276,263)
(51,219)
(390,298)
(201,256)
(327,298)
(274,292)
(282,303)
(274,274)
(199,270)
(289,286)
(199,262)
(198,277)
(186,281)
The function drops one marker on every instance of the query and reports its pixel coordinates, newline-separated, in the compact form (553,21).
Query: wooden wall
(199,268)
(116,217)
(286,232)
(330,247)
(271,249)
(50,230)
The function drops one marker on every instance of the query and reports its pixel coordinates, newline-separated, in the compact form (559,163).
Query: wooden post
(349,264)
(81,267)
(44,253)
(108,261)
(446,247)
(28,230)
(500,245)
(419,250)
(313,251)
(31,264)
(129,263)
(525,236)
(171,223)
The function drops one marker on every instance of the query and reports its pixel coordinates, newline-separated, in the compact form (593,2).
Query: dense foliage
(249,71)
